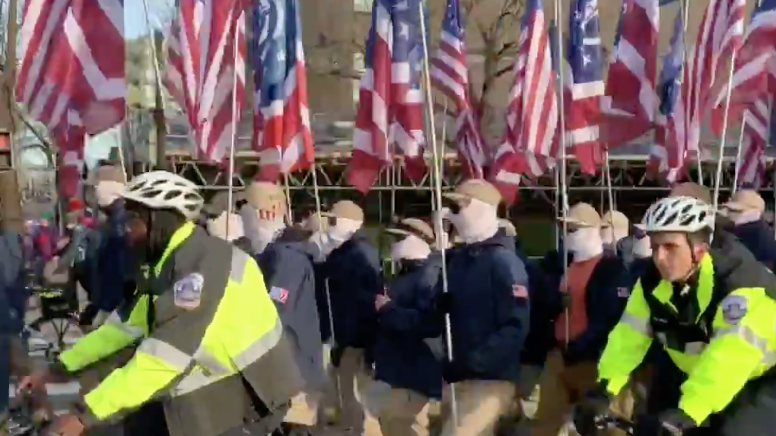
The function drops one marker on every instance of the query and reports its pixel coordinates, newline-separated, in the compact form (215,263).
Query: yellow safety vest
(198,356)
(741,347)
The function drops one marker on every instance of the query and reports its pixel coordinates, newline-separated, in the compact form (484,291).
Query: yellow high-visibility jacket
(206,334)
(726,340)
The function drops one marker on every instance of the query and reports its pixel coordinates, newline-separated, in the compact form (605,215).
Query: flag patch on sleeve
(278,294)
(519,291)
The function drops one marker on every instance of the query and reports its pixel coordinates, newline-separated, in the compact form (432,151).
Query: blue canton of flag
(270,48)
(407,46)
(584,52)
(670,76)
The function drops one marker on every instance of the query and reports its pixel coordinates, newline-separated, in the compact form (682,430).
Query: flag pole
(437,171)
(721,156)
(685,22)
(738,153)
(562,119)
(160,130)
(288,195)
(611,198)
(235,113)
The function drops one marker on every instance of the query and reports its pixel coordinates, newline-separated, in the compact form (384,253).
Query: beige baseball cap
(582,215)
(746,200)
(413,226)
(267,198)
(691,189)
(615,218)
(476,189)
(346,209)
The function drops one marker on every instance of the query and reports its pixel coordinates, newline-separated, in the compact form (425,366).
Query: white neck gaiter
(332,238)
(610,235)
(745,217)
(585,243)
(642,248)
(410,248)
(476,222)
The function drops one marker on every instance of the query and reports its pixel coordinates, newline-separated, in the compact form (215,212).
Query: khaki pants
(304,409)
(480,405)
(354,382)
(400,412)
(561,388)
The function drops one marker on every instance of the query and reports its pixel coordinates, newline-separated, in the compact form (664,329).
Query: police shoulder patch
(187,291)
(734,308)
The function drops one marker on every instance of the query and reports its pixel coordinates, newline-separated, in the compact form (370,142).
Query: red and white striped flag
(201,70)
(451,76)
(72,59)
(71,74)
(389,117)
(630,102)
(532,117)
(757,135)
(281,118)
(708,68)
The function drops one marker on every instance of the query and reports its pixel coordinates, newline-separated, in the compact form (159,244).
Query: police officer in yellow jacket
(715,315)
(207,337)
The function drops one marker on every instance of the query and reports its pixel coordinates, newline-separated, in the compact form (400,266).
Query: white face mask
(266,233)
(642,248)
(476,222)
(745,217)
(585,243)
(410,248)
(610,235)
(332,238)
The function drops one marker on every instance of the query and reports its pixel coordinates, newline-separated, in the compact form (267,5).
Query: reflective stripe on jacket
(206,356)
(739,344)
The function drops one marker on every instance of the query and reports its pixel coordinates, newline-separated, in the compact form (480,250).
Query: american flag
(532,117)
(201,70)
(631,101)
(754,73)
(759,133)
(71,73)
(584,85)
(719,37)
(450,75)
(668,155)
(281,118)
(390,107)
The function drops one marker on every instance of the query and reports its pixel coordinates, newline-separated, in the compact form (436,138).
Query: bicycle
(58,308)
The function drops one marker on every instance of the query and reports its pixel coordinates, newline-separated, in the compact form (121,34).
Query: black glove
(594,404)
(671,423)
(565,300)
(453,371)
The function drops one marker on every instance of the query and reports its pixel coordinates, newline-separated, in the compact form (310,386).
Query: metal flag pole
(721,156)
(562,115)
(739,149)
(437,170)
(158,77)
(235,112)
(612,206)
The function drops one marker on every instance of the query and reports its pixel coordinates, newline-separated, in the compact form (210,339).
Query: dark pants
(752,412)
(149,420)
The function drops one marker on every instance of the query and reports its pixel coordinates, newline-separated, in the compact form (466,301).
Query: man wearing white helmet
(207,339)
(713,312)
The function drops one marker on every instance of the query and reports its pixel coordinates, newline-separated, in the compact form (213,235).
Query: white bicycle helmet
(165,190)
(678,214)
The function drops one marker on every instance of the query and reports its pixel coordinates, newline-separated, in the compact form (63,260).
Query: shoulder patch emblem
(734,308)
(278,294)
(519,291)
(187,291)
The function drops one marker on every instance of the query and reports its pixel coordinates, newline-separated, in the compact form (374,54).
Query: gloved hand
(594,404)
(565,300)
(100,318)
(453,371)
(670,423)
(639,233)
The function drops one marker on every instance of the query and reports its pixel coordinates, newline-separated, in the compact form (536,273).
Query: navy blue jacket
(606,295)
(402,357)
(354,275)
(107,267)
(757,236)
(290,280)
(540,333)
(13,294)
(489,309)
